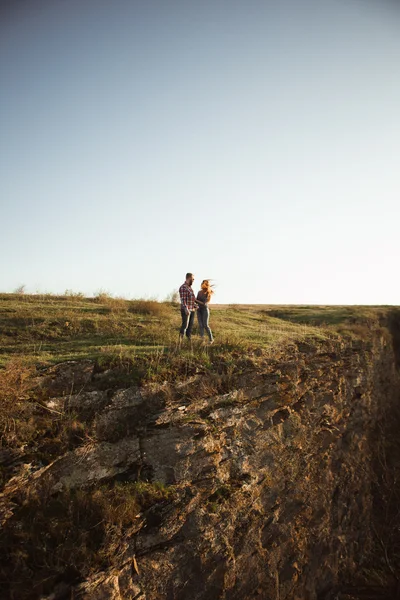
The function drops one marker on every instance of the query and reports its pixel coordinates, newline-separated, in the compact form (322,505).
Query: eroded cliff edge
(267,486)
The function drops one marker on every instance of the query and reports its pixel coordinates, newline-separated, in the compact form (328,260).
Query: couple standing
(190,304)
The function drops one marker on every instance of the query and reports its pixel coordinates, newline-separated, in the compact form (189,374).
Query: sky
(254,142)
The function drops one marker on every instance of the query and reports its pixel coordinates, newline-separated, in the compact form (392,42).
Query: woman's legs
(200,320)
(206,326)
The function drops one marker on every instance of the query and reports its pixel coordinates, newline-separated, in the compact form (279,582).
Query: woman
(203,312)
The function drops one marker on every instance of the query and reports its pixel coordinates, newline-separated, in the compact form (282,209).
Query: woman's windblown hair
(206,288)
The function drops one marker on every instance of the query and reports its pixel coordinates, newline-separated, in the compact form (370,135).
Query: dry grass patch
(64,538)
(113,304)
(149,307)
(16,382)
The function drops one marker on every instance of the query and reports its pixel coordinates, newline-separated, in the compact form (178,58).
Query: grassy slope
(45,329)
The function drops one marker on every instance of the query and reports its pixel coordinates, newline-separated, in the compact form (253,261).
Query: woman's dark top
(203,298)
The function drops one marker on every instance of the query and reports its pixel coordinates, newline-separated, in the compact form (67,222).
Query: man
(188,306)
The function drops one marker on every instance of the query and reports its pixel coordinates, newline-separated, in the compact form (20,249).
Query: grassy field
(45,329)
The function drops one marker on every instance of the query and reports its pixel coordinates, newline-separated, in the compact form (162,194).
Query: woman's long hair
(206,288)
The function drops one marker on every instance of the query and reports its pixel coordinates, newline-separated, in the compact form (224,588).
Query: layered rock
(272,480)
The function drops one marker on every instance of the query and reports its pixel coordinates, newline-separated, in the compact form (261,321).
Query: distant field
(46,329)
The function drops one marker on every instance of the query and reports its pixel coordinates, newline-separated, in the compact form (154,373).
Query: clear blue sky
(254,142)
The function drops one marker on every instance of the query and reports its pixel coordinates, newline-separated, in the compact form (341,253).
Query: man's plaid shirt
(187,297)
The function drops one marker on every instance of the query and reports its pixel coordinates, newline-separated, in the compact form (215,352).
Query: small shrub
(113,304)
(74,295)
(102,297)
(148,494)
(149,307)
(20,289)
(173,297)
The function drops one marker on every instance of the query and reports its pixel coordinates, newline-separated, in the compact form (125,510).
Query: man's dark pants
(187,323)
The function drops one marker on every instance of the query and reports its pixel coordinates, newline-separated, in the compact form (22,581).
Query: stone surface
(272,480)
(84,404)
(68,377)
(92,464)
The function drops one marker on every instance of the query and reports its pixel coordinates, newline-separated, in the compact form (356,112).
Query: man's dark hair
(189,275)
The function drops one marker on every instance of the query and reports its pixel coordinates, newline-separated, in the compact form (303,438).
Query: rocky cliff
(262,483)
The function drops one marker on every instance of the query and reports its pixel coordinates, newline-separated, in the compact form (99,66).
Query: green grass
(139,338)
(45,329)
